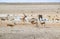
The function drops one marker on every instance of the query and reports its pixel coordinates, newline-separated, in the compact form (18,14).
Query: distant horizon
(27,1)
(31,3)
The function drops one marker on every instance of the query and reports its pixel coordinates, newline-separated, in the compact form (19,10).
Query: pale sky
(29,0)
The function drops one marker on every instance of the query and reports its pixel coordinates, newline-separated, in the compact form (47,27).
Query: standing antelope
(23,18)
(42,22)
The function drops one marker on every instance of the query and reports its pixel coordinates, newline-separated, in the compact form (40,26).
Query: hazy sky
(29,0)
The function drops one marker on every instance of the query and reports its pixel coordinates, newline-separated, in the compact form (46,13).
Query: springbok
(0,22)
(10,23)
(10,20)
(34,21)
(42,22)
(23,18)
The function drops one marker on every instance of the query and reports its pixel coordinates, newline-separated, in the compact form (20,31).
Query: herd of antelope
(24,19)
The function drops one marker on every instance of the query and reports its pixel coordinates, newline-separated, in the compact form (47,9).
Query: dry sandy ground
(29,32)
(51,31)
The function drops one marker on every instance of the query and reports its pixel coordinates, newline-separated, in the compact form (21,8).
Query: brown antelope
(23,18)
(11,24)
(34,21)
(42,22)
(40,17)
(0,22)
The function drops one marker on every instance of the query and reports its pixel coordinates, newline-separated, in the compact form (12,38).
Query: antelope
(42,22)
(23,18)
(34,21)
